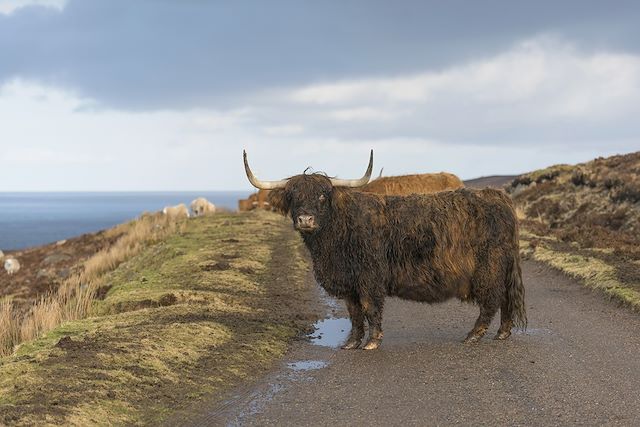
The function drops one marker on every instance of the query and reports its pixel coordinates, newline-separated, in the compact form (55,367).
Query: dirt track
(577,364)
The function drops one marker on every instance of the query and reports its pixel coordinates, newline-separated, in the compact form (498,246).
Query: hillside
(492,181)
(585,219)
(205,308)
(44,268)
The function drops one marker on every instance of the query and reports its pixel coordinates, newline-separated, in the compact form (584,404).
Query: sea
(32,219)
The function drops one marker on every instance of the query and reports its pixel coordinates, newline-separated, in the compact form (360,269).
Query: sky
(115,95)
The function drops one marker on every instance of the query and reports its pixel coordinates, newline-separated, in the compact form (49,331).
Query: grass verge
(189,317)
(591,266)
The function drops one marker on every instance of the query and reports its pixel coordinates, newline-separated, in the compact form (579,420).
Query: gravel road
(578,363)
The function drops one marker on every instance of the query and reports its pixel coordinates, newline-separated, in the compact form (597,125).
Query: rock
(518,189)
(42,274)
(64,273)
(60,242)
(55,258)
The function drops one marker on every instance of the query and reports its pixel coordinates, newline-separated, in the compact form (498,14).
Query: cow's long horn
(355,182)
(262,185)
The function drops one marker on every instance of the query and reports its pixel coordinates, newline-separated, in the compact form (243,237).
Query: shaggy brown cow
(244,205)
(255,201)
(425,183)
(427,248)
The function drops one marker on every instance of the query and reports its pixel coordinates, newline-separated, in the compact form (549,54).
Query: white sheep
(176,211)
(202,206)
(11,265)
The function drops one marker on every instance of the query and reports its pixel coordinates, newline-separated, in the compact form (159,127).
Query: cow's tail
(515,290)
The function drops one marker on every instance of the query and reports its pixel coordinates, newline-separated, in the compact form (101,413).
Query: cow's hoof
(372,344)
(475,335)
(352,344)
(502,335)
(472,338)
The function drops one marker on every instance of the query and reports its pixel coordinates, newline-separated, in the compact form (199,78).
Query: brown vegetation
(591,209)
(404,185)
(45,268)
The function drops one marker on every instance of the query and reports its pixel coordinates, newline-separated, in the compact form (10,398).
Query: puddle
(331,332)
(307,365)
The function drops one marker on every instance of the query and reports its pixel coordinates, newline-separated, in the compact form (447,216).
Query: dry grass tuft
(74,298)
(9,327)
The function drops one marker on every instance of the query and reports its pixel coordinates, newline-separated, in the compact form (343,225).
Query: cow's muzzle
(306,223)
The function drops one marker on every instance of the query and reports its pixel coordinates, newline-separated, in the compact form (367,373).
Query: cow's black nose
(305,221)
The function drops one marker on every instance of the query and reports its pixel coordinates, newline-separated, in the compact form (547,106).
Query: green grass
(172,329)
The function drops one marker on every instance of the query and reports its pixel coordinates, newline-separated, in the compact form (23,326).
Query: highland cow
(255,201)
(404,185)
(429,248)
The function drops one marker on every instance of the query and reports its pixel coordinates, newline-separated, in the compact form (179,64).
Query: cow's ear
(279,201)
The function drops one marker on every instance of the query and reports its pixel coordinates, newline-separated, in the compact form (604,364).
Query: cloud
(284,130)
(540,102)
(541,90)
(362,113)
(49,142)
(7,7)
(155,55)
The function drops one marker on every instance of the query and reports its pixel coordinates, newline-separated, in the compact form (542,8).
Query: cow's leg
(506,321)
(373,312)
(488,310)
(357,324)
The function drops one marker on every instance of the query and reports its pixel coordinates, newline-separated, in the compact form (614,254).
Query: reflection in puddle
(331,332)
(307,365)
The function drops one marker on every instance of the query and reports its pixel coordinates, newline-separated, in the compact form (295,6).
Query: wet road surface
(578,363)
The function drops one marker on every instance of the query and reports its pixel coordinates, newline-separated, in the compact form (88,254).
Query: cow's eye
(321,198)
